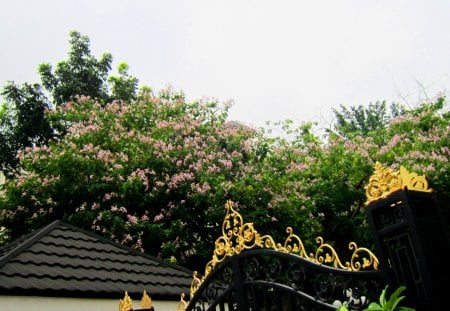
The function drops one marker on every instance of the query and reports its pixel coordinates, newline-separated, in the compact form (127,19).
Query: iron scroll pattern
(315,280)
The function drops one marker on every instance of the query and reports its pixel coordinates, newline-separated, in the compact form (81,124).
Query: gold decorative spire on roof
(238,236)
(182,305)
(385,181)
(126,304)
(146,301)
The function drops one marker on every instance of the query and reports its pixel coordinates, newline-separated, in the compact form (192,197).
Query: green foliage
(153,171)
(154,175)
(4,236)
(22,121)
(391,304)
(81,74)
(365,121)
(419,140)
(124,86)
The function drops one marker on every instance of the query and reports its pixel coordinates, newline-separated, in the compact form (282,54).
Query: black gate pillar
(410,236)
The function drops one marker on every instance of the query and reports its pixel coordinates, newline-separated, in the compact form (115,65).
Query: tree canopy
(23,122)
(81,74)
(153,171)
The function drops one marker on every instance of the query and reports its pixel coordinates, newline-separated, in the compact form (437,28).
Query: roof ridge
(26,241)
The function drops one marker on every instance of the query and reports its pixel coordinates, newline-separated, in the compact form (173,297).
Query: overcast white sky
(275,59)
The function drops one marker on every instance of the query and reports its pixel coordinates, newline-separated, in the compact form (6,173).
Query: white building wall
(19,303)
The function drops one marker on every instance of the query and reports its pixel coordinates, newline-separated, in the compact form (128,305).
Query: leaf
(373,307)
(383,296)
(394,300)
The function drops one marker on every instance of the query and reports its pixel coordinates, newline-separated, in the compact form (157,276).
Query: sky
(275,60)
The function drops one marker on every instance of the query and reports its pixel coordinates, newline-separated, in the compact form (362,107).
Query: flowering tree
(22,118)
(419,140)
(330,175)
(154,174)
(415,138)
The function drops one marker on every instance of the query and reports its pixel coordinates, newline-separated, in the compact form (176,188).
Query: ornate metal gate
(252,272)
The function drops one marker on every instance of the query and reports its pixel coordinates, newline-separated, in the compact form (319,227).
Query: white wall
(19,303)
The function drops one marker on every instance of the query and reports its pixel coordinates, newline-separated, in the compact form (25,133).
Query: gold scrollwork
(385,181)
(326,254)
(293,244)
(358,261)
(238,236)
(413,181)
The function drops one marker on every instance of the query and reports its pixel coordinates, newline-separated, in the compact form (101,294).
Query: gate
(252,272)
(249,271)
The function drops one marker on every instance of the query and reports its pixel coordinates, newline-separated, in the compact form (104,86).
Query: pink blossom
(109,196)
(214,169)
(298,167)
(158,217)
(226,163)
(132,219)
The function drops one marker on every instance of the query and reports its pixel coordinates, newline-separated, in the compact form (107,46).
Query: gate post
(410,237)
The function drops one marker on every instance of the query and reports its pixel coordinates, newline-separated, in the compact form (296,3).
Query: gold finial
(238,236)
(183,304)
(385,181)
(146,301)
(126,304)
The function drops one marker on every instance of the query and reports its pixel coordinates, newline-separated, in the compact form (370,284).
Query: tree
(364,121)
(81,74)
(419,139)
(124,86)
(331,174)
(154,171)
(22,122)
(153,174)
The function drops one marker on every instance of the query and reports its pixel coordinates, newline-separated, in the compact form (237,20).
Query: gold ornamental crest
(385,181)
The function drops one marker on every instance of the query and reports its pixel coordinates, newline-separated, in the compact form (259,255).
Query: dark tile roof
(63,260)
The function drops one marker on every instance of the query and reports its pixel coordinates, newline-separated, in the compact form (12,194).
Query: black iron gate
(250,271)
(271,280)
